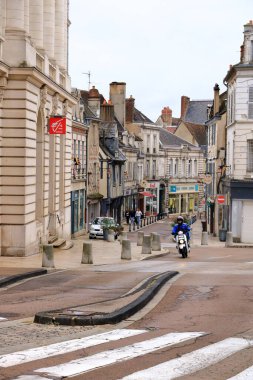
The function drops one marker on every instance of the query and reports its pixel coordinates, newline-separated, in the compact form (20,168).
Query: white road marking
(244,375)
(31,377)
(37,353)
(104,358)
(3,319)
(193,361)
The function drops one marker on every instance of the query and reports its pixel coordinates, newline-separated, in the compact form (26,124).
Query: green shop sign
(178,189)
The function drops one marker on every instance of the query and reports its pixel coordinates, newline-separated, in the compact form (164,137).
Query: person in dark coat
(127,216)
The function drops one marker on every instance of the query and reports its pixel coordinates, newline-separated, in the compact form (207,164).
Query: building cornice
(35,76)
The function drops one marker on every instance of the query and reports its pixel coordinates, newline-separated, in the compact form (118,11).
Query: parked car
(98,225)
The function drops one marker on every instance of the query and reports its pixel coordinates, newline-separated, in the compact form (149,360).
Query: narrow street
(209,304)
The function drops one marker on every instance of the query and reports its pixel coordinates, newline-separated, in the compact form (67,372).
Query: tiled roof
(198,131)
(168,138)
(171,129)
(139,117)
(197,111)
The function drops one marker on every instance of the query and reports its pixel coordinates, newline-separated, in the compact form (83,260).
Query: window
(183,167)
(213,134)
(101,169)
(154,146)
(189,168)
(147,168)
(176,167)
(154,169)
(250,155)
(250,103)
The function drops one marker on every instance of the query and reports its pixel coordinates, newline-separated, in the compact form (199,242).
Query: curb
(152,286)
(21,276)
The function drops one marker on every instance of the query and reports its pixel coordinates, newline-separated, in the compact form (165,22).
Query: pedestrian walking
(138,215)
(127,216)
(132,217)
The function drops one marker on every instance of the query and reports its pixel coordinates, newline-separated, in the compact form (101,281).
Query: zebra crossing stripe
(245,375)
(43,352)
(193,361)
(104,358)
(31,377)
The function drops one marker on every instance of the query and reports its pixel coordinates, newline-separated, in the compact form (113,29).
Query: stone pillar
(15,14)
(146,245)
(48,256)
(140,238)
(204,238)
(49,27)
(87,253)
(59,33)
(27,21)
(36,22)
(126,250)
(156,243)
(229,239)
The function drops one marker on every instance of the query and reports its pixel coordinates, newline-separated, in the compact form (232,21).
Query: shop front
(183,199)
(77,212)
(149,199)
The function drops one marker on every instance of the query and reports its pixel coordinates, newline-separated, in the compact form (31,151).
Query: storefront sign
(57,125)
(182,189)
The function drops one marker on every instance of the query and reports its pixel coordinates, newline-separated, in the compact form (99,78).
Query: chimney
(167,117)
(216,99)
(130,109)
(247,43)
(94,101)
(107,111)
(118,98)
(184,105)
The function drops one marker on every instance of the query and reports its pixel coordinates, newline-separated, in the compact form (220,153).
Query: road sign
(221,199)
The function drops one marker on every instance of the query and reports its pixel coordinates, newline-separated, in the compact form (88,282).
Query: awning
(147,194)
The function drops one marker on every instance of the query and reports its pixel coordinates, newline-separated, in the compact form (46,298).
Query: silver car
(96,227)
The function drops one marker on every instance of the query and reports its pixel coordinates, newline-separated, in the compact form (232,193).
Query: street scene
(126,190)
(198,324)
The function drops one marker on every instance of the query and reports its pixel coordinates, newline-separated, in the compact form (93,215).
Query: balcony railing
(78,172)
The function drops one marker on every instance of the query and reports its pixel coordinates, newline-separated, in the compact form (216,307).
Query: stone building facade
(34,85)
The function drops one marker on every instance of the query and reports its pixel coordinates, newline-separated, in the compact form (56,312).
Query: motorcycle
(182,244)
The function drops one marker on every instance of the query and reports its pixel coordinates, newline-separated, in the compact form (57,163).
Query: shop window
(173,205)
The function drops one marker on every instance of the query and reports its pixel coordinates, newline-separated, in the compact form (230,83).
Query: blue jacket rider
(181,226)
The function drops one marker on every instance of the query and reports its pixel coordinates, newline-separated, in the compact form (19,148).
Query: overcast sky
(162,49)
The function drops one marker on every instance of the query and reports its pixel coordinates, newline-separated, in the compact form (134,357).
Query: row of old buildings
(68,155)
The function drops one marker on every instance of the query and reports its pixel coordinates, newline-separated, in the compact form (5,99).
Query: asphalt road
(212,298)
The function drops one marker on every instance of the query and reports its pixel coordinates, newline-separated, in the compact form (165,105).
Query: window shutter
(250,116)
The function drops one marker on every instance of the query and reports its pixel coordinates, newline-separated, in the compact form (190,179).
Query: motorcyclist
(181,226)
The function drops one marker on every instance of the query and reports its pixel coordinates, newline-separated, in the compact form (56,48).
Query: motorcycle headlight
(181,241)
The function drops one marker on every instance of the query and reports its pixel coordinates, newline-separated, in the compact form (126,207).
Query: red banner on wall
(57,125)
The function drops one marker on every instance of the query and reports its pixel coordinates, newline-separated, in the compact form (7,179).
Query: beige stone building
(34,85)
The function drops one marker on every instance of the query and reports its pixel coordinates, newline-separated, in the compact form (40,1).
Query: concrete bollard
(48,256)
(126,250)
(156,242)
(204,238)
(146,245)
(140,238)
(122,236)
(87,253)
(229,239)
(111,236)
